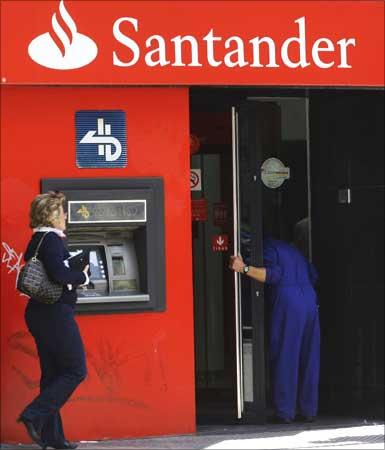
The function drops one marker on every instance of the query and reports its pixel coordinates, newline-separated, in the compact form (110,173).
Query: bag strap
(34,257)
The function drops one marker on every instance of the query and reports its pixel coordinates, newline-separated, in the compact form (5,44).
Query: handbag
(34,281)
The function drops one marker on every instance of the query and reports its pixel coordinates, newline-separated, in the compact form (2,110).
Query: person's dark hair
(45,208)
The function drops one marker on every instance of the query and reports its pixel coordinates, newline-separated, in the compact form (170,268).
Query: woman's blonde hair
(45,209)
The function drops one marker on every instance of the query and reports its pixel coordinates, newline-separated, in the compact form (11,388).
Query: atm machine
(119,223)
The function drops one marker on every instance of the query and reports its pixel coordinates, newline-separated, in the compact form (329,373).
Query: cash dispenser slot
(118,226)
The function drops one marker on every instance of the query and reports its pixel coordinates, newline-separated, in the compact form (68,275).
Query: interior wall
(347,152)
(138,384)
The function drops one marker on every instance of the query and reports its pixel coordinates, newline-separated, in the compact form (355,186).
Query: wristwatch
(246,269)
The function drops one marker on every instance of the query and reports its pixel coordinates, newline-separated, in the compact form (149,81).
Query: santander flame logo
(68,49)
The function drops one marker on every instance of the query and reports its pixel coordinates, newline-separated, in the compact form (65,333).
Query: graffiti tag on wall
(12,260)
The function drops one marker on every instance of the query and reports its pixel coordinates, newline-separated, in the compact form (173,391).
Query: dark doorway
(331,145)
(263,134)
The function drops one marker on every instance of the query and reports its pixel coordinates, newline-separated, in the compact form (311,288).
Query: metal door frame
(256,409)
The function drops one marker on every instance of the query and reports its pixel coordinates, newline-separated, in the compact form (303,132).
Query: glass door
(247,238)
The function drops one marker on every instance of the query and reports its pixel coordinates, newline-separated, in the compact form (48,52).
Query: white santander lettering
(123,39)
(210,39)
(178,41)
(239,53)
(160,50)
(343,43)
(302,47)
(258,52)
(317,49)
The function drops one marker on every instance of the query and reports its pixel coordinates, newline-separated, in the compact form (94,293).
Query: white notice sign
(274,173)
(195,180)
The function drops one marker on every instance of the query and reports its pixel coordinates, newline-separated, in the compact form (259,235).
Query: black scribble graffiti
(21,341)
(158,358)
(136,359)
(28,381)
(107,362)
(99,399)
(147,376)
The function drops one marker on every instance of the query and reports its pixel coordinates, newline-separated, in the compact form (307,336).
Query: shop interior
(328,144)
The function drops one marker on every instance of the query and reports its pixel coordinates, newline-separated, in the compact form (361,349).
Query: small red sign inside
(199,209)
(220,214)
(220,243)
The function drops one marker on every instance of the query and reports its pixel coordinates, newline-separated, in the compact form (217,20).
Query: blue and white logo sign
(101,139)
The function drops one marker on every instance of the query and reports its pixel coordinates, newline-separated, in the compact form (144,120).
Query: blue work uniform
(294,329)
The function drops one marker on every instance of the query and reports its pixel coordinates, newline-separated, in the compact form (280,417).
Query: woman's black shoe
(31,430)
(66,445)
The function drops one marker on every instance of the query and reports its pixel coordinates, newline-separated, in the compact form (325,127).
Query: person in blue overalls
(53,326)
(294,328)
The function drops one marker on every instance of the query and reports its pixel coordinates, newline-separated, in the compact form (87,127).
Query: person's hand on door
(236,263)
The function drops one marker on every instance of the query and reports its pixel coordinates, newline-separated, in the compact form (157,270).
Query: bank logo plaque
(69,49)
(107,211)
(101,139)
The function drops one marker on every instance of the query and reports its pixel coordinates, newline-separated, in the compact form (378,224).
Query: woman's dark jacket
(53,253)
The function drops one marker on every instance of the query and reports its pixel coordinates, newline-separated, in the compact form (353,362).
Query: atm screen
(98,285)
(97,263)
(118,265)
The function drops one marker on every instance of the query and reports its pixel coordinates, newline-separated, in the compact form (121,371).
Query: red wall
(141,373)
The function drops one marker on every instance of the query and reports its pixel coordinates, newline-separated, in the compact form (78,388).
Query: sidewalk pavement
(326,433)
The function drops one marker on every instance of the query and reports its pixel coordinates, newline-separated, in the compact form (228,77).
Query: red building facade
(142,57)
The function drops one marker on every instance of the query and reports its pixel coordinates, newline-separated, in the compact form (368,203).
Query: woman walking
(53,326)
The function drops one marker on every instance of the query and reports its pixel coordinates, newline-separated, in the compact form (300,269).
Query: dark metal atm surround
(148,234)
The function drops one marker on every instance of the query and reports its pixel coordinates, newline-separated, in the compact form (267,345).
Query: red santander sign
(191,42)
